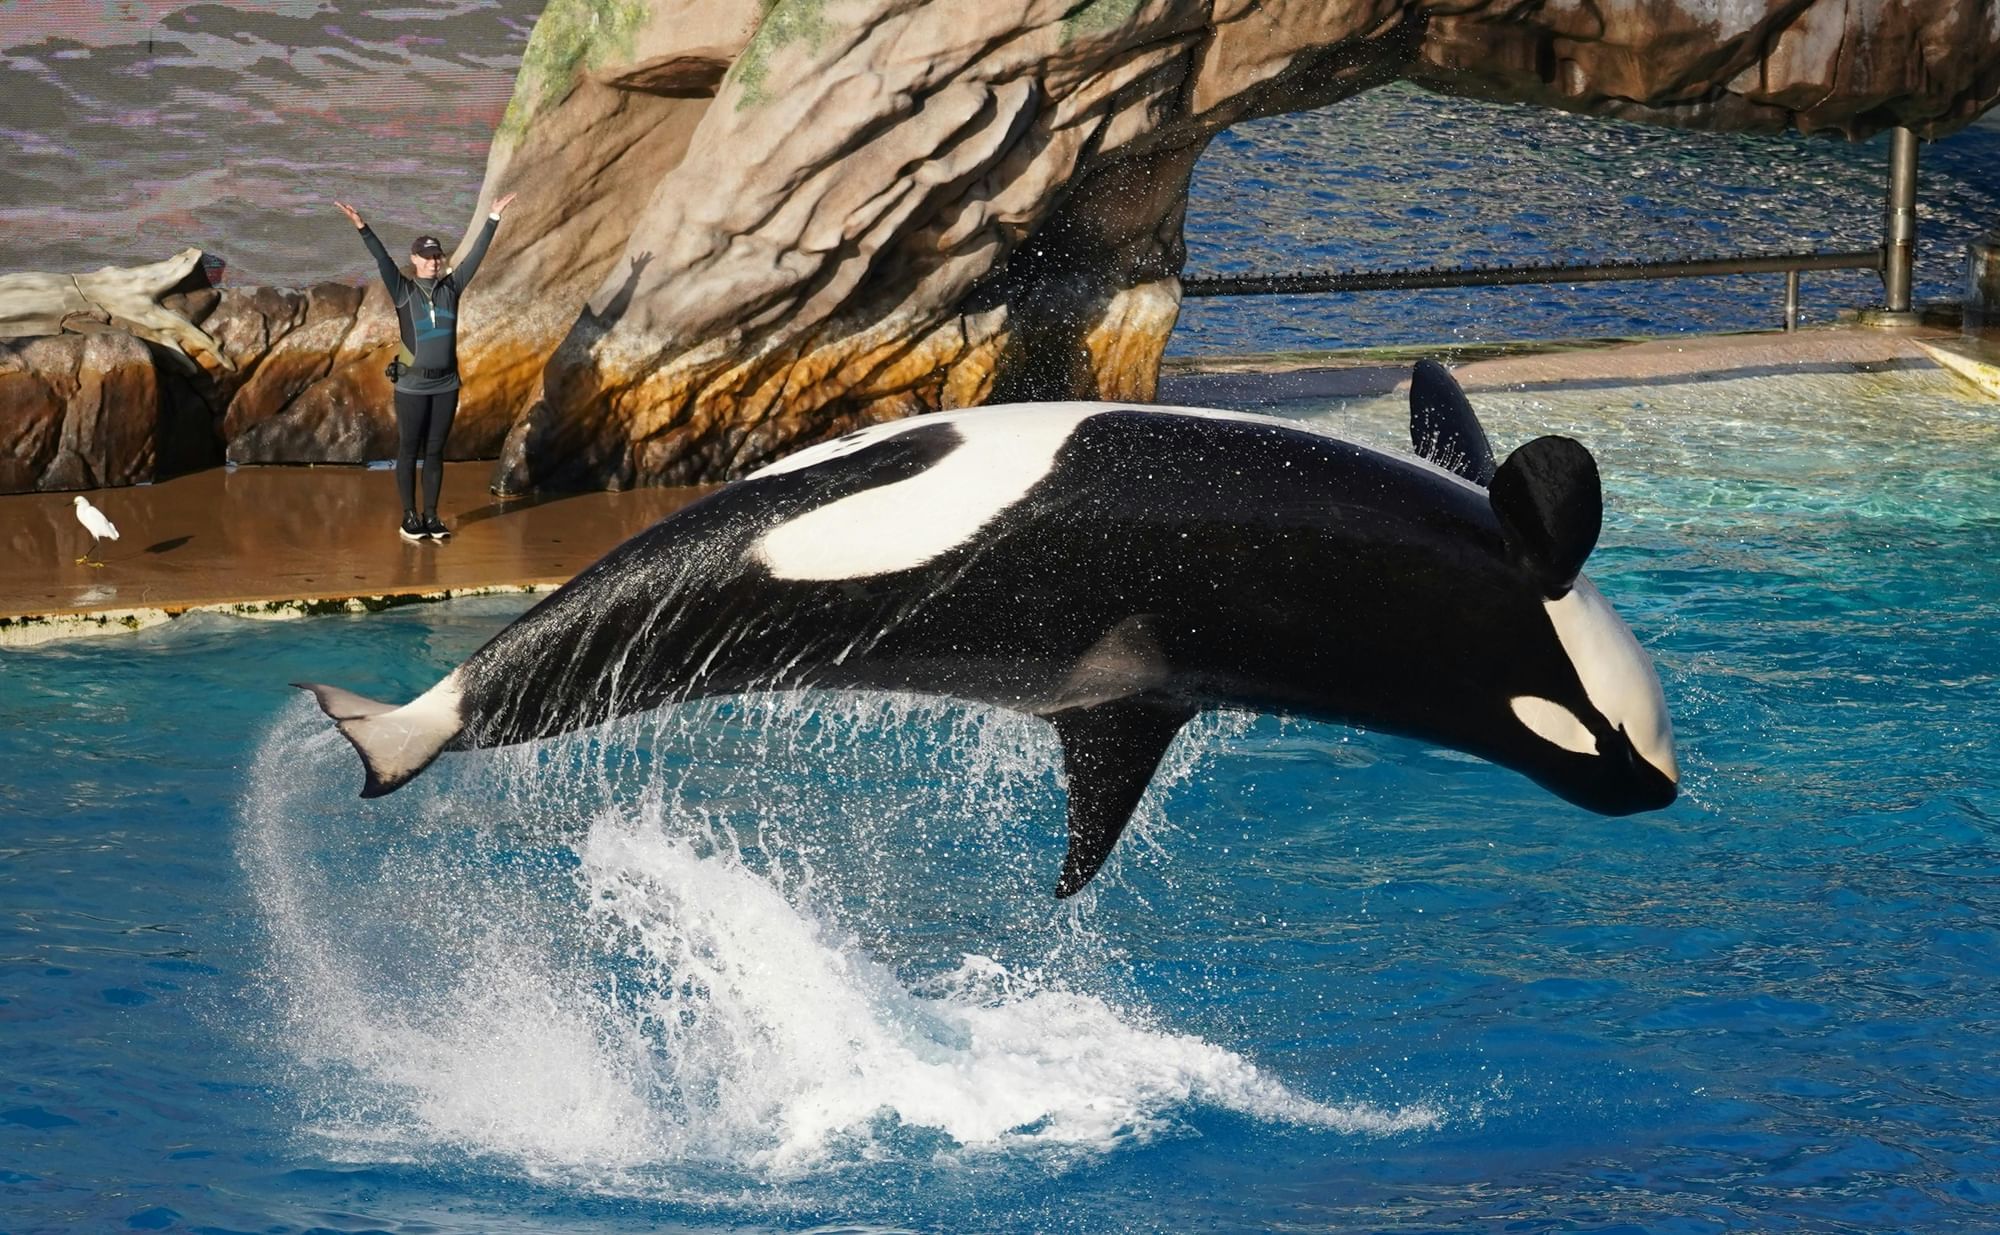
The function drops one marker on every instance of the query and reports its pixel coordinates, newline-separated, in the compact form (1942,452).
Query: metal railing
(1893,260)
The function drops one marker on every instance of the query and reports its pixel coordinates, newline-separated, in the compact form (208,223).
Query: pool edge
(35,630)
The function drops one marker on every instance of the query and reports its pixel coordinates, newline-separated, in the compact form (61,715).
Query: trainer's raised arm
(391,276)
(470,266)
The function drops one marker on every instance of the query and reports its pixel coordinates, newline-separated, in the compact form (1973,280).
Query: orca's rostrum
(1115,569)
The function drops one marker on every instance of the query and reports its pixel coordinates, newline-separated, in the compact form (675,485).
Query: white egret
(96,524)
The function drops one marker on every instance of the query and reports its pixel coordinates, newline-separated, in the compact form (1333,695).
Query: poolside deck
(287,541)
(284,541)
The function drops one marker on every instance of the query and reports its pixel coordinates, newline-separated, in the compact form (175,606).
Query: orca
(1115,569)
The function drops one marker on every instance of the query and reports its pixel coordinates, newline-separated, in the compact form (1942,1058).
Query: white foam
(661,1004)
(797,1038)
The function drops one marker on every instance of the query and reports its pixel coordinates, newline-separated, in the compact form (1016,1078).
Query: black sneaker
(413,527)
(435,529)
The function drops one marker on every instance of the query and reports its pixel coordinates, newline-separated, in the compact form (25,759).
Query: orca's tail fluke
(395,743)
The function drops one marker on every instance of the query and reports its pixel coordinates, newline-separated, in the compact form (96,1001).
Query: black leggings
(422,421)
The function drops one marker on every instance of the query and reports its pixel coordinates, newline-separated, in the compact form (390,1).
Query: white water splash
(679,992)
(794,1037)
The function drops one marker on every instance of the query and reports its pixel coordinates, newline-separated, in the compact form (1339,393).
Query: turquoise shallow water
(791,964)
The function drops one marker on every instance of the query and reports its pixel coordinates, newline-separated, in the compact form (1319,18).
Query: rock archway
(744,225)
(889,206)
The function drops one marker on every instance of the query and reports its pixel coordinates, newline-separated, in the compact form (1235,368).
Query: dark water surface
(1399,179)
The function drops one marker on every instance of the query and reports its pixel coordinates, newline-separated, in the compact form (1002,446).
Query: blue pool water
(1401,179)
(792,964)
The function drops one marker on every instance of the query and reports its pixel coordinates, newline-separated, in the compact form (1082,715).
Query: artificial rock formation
(78,411)
(82,403)
(891,206)
(206,376)
(254,375)
(745,225)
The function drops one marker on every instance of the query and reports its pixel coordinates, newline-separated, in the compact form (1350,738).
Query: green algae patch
(569,37)
(783,23)
(1093,16)
(31,630)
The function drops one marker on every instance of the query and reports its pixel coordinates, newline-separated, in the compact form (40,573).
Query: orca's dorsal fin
(1550,504)
(1110,752)
(1443,427)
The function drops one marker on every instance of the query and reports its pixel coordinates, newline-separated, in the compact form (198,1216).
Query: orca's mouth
(1661,784)
(1643,788)
(1661,793)
(1613,785)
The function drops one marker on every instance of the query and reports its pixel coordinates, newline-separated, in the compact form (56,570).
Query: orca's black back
(1275,568)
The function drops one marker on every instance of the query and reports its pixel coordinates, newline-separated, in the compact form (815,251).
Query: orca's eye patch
(1553,723)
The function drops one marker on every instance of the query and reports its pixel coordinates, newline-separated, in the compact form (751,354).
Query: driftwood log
(123,298)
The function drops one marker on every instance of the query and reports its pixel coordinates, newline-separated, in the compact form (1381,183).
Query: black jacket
(427,312)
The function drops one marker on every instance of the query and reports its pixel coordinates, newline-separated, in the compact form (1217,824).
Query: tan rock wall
(744,225)
(77,412)
(894,206)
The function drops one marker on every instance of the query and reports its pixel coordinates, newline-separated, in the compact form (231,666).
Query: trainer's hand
(502,204)
(353,216)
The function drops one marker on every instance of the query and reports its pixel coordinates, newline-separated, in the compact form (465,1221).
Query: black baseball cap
(426,246)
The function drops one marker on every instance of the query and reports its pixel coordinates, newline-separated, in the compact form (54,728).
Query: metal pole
(1499,276)
(1791,301)
(1899,230)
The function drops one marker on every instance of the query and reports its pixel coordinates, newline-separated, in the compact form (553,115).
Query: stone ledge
(32,631)
(1975,360)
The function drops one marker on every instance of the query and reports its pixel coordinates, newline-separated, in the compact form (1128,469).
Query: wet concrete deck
(1584,363)
(283,541)
(276,541)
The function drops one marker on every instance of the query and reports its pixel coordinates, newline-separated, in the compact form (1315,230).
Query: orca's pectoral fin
(1110,752)
(1443,427)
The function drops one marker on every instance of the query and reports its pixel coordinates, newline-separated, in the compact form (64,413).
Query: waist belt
(421,371)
